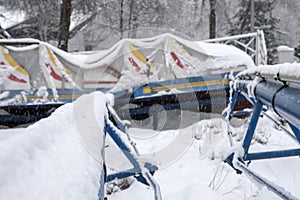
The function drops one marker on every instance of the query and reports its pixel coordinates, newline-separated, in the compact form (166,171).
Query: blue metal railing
(114,126)
(285,102)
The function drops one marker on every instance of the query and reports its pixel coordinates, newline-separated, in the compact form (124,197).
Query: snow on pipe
(116,128)
(281,98)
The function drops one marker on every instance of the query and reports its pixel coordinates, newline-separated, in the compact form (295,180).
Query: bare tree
(42,14)
(64,25)
(48,19)
(132,20)
(121,18)
(212,18)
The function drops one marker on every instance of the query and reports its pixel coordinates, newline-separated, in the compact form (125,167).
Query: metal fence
(252,43)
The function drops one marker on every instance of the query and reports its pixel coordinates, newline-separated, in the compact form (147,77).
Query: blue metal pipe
(122,146)
(278,190)
(296,132)
(121,175)
(251,128)
(281,127)
(287,105)
(284,100)
(272,154)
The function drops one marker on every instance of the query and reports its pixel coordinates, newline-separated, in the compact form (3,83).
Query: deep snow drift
(56,159)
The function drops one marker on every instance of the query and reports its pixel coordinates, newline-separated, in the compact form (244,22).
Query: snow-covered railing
(252,43)
(116,129)
(19,41)
(274,92)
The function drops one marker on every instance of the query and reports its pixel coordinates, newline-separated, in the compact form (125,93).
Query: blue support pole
(121,175)
(232,103)
(284,101)
(241,112)
(251,127)
(272,154)
(136,171)
(125,149)
(116,119)
(296,131)
(281,192)
(279,125)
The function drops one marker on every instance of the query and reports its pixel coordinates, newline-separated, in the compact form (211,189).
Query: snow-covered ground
(204,175)
(52,159)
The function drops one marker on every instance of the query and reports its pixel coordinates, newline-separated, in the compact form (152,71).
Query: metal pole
(251,128)
(148,67)
(252,30)
(278,190)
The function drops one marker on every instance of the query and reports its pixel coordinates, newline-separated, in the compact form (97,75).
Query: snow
(285,70)
(4,95)
(10,18)
(20,40)
(4,101)
(24,48)
(42,92)
(191,175)
(61,157)
(284,48)
(251,86)
(54,158)
(128,80)
(220,51)
(226,56)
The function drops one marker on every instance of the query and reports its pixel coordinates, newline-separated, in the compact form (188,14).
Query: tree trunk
(121,18)
(132,21)
(130,18)
(64,25)
(212,18)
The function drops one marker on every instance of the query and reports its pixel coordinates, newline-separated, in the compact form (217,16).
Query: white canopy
(157,58)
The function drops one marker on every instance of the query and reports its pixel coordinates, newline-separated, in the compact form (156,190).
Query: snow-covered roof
(227,55)
(284,48)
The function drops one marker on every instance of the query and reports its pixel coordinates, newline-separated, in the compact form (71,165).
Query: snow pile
(128,81)
(193,175)
(226,56)
(285,48)
(43,93)
(61,158)
(52,159)
(3,99)
(208,49)
(285,70)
